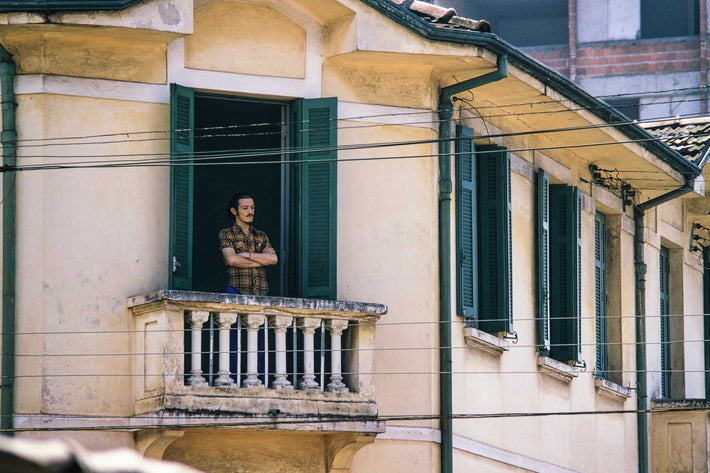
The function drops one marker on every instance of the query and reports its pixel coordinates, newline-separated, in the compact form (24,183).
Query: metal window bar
(294,355)
(211,350)
(322,358)
(239,352)
(266,352)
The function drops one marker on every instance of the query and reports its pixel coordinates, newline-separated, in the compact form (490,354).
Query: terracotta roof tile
(690,136)
(443,17)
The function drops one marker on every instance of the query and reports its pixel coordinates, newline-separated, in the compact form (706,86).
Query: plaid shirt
(245,280)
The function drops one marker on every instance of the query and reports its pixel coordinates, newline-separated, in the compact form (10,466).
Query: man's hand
(241,260)
(266,258)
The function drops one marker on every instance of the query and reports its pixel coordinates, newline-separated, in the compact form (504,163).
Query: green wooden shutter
(466,234)
(182,134)
(543,262)
(602,360)
(565,275)
(494,239)
(706,317)
(316,127)
(664,273)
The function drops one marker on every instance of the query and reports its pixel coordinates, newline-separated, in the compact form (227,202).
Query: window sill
(485,341)
(556,369)
(611,390)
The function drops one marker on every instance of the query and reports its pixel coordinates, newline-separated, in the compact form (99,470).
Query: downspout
(446,110)
(8,138)
(640,269)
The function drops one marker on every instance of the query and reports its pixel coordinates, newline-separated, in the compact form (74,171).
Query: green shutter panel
(317,130)
(543,261)
(576,333)
(182,133)
(466,234)
(565,276)
(495,240)
(602,360)
(706,317)
(664,272)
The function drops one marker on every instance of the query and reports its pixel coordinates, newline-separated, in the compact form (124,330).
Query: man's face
(245,211)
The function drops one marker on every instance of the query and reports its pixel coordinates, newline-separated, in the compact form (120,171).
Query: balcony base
(186,419)
(258,401)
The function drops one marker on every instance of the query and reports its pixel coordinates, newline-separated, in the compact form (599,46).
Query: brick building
(642,56)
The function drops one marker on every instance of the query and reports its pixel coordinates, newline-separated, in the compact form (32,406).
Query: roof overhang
(64,5)
(554,114)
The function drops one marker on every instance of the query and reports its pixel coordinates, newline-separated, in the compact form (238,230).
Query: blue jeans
(233,343)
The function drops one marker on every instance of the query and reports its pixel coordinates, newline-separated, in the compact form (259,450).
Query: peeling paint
(169,14)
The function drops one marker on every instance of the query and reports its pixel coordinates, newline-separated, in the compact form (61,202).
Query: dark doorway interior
(231,127)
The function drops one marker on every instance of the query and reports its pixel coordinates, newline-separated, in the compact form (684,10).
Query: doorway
(238,148)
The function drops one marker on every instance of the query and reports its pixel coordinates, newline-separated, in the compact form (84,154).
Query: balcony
(257,359)
(679,434)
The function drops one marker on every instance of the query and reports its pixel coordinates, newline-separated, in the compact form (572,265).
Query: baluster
(336,328)
(225,322)
(196,319)
(309,326)
(281,323)
(253,322)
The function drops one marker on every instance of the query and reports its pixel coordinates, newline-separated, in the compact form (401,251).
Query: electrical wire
(163,419)
(578,371)
(297,150)
(515,347)
(200,161)
(362,117)
(383,323)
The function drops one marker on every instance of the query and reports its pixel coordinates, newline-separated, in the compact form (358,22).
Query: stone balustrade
(679,435)
(226,353)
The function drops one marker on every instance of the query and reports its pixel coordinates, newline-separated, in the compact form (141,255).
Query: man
(245,250)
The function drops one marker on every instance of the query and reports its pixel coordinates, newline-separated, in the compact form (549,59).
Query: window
(543,262)
(62,5)
(663,19)
(483,235)
(706,317)
(601,368)
(234,140)
(664,276)
(630,107)
(519,22)
(559,271)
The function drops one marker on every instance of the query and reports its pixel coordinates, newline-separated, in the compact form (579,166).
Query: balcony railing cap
(214,301)
(680,404)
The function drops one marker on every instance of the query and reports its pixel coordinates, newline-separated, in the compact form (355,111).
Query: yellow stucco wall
(387,252)
(246,38)
(397,457)
(679,441)
(86,52)
(219,451)
(89,238)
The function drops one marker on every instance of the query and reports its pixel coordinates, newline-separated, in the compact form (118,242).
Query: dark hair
(234,203)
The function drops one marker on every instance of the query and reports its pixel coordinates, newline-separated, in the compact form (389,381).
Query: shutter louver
(316,129)
(576,333)
(543,261)
(182,133)
(664,271)
(706,317)
(602,360)
(495,240)
(565,277)
(466,234)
